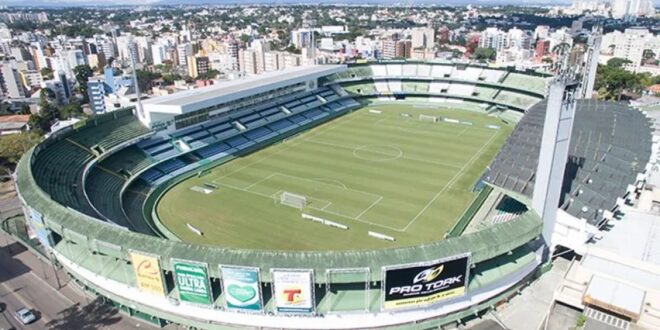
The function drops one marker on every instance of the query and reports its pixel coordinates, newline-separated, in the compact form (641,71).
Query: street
(26,281)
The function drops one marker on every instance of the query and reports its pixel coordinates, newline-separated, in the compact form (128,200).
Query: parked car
(25,315)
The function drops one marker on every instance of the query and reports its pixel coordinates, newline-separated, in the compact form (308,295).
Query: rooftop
(14,122)
(644,228)
(246,84)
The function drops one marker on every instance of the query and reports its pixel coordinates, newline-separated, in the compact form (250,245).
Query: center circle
(377,153)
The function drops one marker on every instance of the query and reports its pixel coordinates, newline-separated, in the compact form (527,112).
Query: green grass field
(395,175)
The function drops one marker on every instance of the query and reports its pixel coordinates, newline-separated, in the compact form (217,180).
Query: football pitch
(378,169)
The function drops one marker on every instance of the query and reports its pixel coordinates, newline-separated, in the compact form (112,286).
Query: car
(25,315)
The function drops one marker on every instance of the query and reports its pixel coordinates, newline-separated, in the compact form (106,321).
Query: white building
(631,45)
(11,81)
(632,8)
(423,38)
(183,51)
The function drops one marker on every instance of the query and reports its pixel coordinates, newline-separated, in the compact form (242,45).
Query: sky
(55,3)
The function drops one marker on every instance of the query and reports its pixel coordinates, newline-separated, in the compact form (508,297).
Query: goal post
(432,119)
(293,200)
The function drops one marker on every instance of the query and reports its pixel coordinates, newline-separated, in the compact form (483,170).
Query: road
(25,280)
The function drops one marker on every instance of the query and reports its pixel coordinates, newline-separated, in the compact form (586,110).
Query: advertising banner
(293,290)
(36,222)
(241,288)
(148,275)
(192,281)
(423,284)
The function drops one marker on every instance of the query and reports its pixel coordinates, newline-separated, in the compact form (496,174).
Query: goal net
(293,200)
(432,119)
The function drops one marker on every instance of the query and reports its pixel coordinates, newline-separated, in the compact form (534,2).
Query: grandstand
(514,90)
(195,179)
(604,157)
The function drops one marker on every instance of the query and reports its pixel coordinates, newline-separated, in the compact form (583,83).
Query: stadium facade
(89,194)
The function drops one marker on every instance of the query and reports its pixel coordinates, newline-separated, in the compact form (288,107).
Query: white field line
(451,182)
(260,181)
(331,185)
(321,209)
(341,184)
(290,146)
(370,206)
(386,154)
(463,131)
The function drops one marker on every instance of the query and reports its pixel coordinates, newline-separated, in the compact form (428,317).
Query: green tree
(46,73)
(146,78)
(82,74)
(210,74)
(484,54)
(13,146)
(617,62)
(25,109)
(70,110)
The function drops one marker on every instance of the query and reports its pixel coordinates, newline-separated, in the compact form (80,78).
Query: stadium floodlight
(293,200)
(433,119)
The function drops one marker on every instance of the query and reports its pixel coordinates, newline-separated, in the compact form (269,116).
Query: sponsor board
(148,275)
(241,288)
(36,222)
(420,285)
(293,290)
(192,282)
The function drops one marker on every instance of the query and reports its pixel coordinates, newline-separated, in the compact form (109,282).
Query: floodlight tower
(555,144)
(591,62)
(140,110)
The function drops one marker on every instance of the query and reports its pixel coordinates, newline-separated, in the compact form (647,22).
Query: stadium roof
(223,91)
(610,144)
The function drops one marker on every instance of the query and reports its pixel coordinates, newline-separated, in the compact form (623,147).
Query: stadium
(378,194)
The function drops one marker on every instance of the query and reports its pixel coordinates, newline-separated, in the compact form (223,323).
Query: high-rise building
(21,54)
(542,48)
(232,47)
(632,8)
(249,59)
(403,49)
(631,45)
(31,78)
(396,48)
(64,81)
(198,65)
(11,81)
(38,56)
(183,51)
(423,38)
(493,38)
(273,61)
(301,38)
(585,5)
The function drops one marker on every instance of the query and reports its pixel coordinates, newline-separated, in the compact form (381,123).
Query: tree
(70,110)
(82,74)
(649,57)
(46,73)
(210,74)
(245,38)
(25,109)
(612,80)
(13,146)
(484,54)
(146,78)
(617,62)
